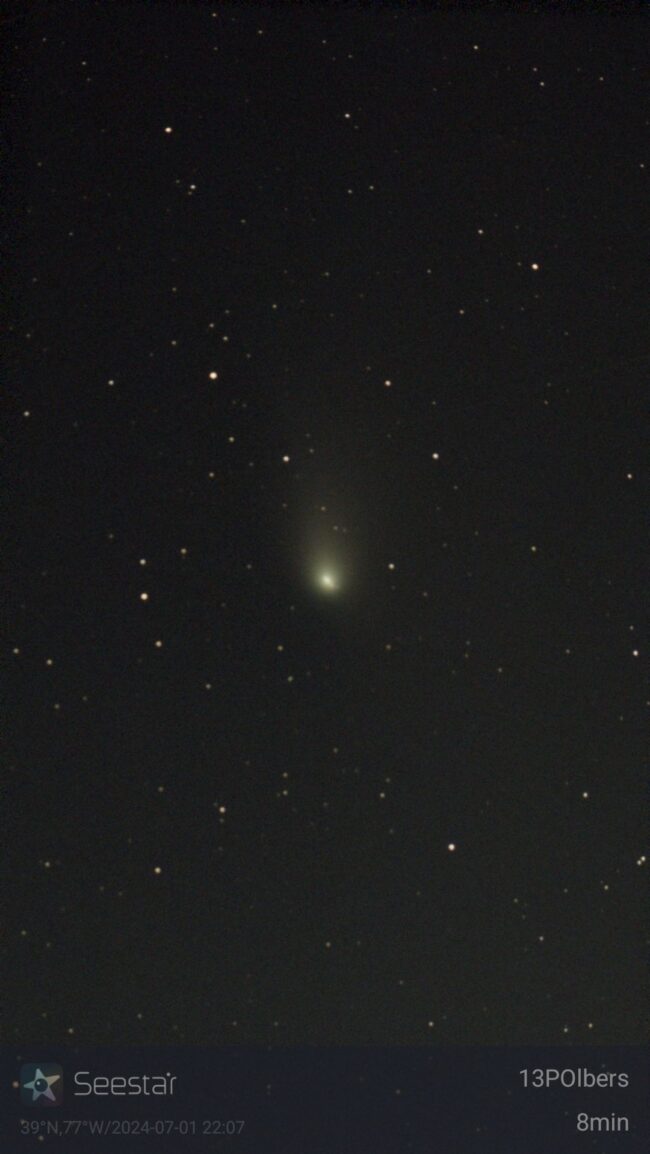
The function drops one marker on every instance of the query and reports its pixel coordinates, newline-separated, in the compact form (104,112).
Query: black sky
(409,243)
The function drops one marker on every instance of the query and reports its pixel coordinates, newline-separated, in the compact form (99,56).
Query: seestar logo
(41,1085)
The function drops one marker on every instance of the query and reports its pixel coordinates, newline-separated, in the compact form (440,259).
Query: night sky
(325,373)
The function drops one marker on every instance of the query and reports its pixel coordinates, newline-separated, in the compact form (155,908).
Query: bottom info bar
(332,1100)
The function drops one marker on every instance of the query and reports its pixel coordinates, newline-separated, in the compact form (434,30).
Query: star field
(325,635)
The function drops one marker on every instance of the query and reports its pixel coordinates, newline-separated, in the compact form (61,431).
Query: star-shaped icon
(41,1085)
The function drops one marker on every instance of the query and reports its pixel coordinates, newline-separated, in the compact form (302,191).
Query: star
(41,1085)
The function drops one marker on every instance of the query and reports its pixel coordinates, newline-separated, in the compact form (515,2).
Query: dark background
(349,196)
